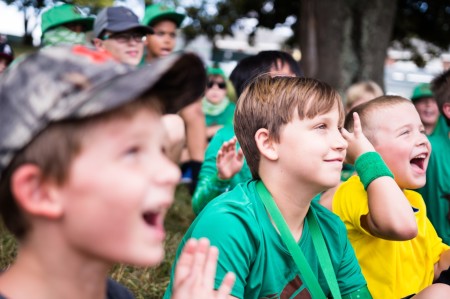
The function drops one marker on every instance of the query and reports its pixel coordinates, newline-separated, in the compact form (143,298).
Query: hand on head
(196,271)
(358,143)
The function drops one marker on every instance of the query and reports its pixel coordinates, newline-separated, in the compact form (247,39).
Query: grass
(145,283)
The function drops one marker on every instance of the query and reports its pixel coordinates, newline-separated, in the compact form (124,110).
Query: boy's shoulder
(327,220)
(241,199)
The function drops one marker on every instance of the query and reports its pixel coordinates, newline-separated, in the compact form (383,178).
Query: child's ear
(266,145)
(446,110)
(98,43)
(33,193)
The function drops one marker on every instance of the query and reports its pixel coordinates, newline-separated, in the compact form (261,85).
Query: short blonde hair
(368,110)
(271,102)
(364,90)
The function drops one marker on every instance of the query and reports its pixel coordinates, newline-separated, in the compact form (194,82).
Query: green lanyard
(298,256)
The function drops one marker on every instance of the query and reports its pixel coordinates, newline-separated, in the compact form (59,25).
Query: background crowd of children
(303,193)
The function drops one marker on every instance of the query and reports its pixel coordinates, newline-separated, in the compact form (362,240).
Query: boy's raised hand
(229,161)
(196,271)
(358,143)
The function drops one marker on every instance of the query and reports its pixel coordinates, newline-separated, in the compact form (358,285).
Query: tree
(345,41)
(342,41)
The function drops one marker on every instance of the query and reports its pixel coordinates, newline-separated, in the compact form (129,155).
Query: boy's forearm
(390,213)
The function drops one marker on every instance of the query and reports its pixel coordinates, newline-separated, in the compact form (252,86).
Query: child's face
(313,150)
(428,111)
(118,191)
(127,46)
(216,89)
(401,141)
(162,42)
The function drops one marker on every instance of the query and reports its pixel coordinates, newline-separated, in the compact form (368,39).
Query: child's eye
(321,127)
(132,150)
(406,132)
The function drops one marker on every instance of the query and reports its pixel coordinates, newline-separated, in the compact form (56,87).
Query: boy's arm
(229,161)
(221,158)
(390,214)
(443,264)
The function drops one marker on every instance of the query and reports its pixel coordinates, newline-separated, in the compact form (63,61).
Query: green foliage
(425,19)
(145,283)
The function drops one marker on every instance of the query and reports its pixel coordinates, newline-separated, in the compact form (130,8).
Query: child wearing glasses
(218,108)
(117,30)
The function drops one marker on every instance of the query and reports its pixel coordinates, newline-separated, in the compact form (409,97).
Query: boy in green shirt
(436,191)
(289,131)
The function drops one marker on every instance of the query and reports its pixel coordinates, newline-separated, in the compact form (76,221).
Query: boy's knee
(174,125)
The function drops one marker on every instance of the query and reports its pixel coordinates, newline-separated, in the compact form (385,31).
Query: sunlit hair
(53,152)
(362,91)
(271,103)
(369,110)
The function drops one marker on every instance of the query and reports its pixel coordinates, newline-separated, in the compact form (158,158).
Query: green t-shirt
(209,185)
(437,188)
(249,245)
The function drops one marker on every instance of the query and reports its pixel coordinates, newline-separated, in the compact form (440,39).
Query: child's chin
(149,259)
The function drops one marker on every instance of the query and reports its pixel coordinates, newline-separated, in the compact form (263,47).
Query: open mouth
(150,218)
(419,161)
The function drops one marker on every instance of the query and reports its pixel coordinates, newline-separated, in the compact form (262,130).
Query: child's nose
(340,142)
(169,173)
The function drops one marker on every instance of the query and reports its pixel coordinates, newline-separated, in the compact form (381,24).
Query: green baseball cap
(157,12)
(64,14)
(421,91)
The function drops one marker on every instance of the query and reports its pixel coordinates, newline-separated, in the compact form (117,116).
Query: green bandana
(214,109)
(63,36)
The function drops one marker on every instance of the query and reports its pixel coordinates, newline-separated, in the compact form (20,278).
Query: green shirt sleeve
(209,185)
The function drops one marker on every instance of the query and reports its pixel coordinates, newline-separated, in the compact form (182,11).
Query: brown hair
(53,151)
(366,112)
(270,103)
(441,90)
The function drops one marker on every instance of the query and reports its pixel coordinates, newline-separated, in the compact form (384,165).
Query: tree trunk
(27,37)
(345,41)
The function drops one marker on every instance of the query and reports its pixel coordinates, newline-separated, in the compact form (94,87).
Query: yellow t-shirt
(393,269)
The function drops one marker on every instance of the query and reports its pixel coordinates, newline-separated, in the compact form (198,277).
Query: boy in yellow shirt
(397,247)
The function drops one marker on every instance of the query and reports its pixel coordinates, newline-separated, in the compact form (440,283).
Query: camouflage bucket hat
(58,83)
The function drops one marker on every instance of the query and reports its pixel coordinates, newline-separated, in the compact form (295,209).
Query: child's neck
(52,273)
(293,201)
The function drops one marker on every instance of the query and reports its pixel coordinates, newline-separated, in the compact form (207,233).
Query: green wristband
(362,293)
(370,166)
